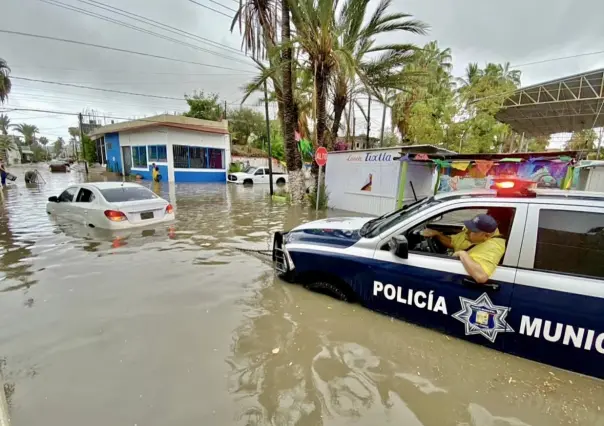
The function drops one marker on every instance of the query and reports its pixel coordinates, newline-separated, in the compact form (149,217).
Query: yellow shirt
(487,254)
(154,174)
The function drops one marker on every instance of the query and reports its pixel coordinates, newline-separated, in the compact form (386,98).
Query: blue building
(185,149)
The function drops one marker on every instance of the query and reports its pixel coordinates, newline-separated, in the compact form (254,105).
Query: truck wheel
(329,289)
(248,182)
(280,181)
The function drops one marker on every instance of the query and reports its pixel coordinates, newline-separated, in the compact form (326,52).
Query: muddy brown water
(178,327)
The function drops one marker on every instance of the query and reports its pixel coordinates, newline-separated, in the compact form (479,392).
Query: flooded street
(178,327)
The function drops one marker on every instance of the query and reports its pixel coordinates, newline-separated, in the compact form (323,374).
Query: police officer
(479,246)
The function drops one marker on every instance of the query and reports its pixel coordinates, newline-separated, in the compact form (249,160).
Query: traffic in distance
(514,268)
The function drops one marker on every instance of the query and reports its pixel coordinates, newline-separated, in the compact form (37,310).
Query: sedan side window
(67,195)
(85,196)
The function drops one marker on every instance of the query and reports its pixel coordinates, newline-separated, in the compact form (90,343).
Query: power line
(599,52)
(222,5)
(95,88)
(104,70)
(170,28)
(116,49)
(213,10)
(135,28)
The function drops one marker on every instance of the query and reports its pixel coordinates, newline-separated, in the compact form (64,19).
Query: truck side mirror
(400,246)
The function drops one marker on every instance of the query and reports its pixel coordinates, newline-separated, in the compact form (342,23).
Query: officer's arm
(445,240)
(472,267)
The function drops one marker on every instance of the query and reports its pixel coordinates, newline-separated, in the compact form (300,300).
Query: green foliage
(234,168)
(40,153)
(204,107)
(28,131)
(90,149)
(323,197)
(58,146)
(5,83)
(583,140)
(390,139)
(43,141)
(244,123)
(4,124)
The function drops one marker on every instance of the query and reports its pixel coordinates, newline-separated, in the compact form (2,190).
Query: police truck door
(558,303)
(435,291)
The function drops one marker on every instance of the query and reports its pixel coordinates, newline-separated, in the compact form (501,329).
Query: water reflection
(339,364)
(135,328)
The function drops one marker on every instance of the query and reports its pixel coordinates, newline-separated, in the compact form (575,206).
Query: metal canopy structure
(568,104)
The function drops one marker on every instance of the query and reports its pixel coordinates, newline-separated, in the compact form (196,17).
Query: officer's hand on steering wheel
(429,233)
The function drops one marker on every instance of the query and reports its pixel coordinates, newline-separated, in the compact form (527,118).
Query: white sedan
(110,205)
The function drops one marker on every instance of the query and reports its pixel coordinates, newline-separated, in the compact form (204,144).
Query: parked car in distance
(256,175)
(110,205)
(59,166)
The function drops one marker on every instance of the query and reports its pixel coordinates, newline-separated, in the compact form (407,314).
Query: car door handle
(469,282)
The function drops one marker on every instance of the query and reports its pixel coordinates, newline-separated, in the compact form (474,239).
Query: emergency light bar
(513,187)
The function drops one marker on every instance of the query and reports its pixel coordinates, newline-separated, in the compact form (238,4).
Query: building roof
(522,155)
(164,120)
(423,149)
(567,104)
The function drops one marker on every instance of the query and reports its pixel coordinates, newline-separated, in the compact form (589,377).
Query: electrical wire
(94,88)
(153,22)
(135,28)
(115,49)
(599,52)
(213,10)
(103,70)
(222,5)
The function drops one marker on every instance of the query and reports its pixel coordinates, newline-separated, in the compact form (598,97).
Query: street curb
(4,418)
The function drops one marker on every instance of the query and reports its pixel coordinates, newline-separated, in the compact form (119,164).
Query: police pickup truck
(544,302)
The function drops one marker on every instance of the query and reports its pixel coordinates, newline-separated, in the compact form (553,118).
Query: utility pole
(268,141)
(82,141)
(354,132)
(383,124)
(368,121)
(225,110)
(599,144)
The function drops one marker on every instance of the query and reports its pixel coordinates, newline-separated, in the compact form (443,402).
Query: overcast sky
(516,31)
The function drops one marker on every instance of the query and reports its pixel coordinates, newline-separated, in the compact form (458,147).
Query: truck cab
(544,301)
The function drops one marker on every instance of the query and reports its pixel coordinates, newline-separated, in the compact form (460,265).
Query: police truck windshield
(380,224)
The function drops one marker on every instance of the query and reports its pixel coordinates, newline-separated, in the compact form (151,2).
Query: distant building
(185,149)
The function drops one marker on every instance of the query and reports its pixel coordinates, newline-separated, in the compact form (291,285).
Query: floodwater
(178,327)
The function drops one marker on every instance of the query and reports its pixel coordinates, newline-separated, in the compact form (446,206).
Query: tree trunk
(292,154)
(321,79)
(339,103)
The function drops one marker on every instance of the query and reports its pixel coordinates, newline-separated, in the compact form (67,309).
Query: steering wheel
(433,244)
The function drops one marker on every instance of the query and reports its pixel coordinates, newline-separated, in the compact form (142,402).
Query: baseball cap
(481,223)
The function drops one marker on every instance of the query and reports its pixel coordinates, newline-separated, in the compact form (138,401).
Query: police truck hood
(336,232)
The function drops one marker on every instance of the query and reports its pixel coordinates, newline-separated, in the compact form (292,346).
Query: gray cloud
(476,31)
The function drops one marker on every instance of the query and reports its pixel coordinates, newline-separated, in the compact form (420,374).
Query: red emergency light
(513,187)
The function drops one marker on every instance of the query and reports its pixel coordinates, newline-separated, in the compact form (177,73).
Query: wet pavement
(178,327)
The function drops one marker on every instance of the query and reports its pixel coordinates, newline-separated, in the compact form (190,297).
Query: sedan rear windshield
(118,195)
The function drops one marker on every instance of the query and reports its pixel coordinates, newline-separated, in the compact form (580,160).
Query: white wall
(154,136)
(348,171)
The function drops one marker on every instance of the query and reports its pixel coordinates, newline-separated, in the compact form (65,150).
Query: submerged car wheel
(248,182)
(329,289)
(280,181)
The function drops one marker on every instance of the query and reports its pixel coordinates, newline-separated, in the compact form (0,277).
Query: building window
(196,157)
(570,242)
(158,153)
(139,156)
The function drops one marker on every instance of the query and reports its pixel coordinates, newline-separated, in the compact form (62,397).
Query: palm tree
(4,124)
(430,81)
(28,131)
(358,39)
(44,142)
(5,83)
